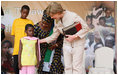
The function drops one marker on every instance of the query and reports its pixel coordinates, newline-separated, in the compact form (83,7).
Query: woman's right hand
(42,41)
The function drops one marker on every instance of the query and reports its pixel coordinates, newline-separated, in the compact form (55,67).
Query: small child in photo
(89,21)
(109,19)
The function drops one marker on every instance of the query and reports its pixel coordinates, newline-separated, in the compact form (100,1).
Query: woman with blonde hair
(73,45)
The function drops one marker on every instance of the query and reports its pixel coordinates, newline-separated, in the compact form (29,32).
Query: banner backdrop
(95,38)
(12,10)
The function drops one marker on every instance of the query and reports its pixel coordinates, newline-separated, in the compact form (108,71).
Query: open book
(72,29)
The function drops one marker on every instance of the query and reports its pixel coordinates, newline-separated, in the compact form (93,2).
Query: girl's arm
(37,54)
(19,56)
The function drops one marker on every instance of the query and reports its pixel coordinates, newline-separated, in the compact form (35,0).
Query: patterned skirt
(56,65)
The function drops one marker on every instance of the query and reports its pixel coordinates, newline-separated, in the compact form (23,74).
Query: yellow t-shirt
(18,30)
(28,56)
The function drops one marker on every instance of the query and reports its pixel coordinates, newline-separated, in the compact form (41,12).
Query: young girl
(29,55)
(18,31)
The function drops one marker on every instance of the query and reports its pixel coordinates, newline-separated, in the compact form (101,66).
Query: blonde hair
(54,8)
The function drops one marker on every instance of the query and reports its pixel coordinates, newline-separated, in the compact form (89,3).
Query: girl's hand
(70,38)
(19,66)
(37,65)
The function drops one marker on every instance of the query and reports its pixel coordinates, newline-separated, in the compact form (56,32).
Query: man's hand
(70,38)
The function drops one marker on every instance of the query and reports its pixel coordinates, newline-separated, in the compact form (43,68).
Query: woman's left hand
(70,38)
(53,47)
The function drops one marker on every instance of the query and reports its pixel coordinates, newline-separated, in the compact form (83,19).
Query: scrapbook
(72,29)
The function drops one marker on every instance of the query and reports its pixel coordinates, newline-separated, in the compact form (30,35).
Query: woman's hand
(53,46)
(70,38)
(42,41)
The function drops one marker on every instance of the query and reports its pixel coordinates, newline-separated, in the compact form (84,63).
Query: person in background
(89,50)
(102,21)
(109,19)
(113,35)
(109,42)
(2,26)
(89,22)
(102,25)
(2,32)
(6,57)
(73,45)
(18,31)
(90,42)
